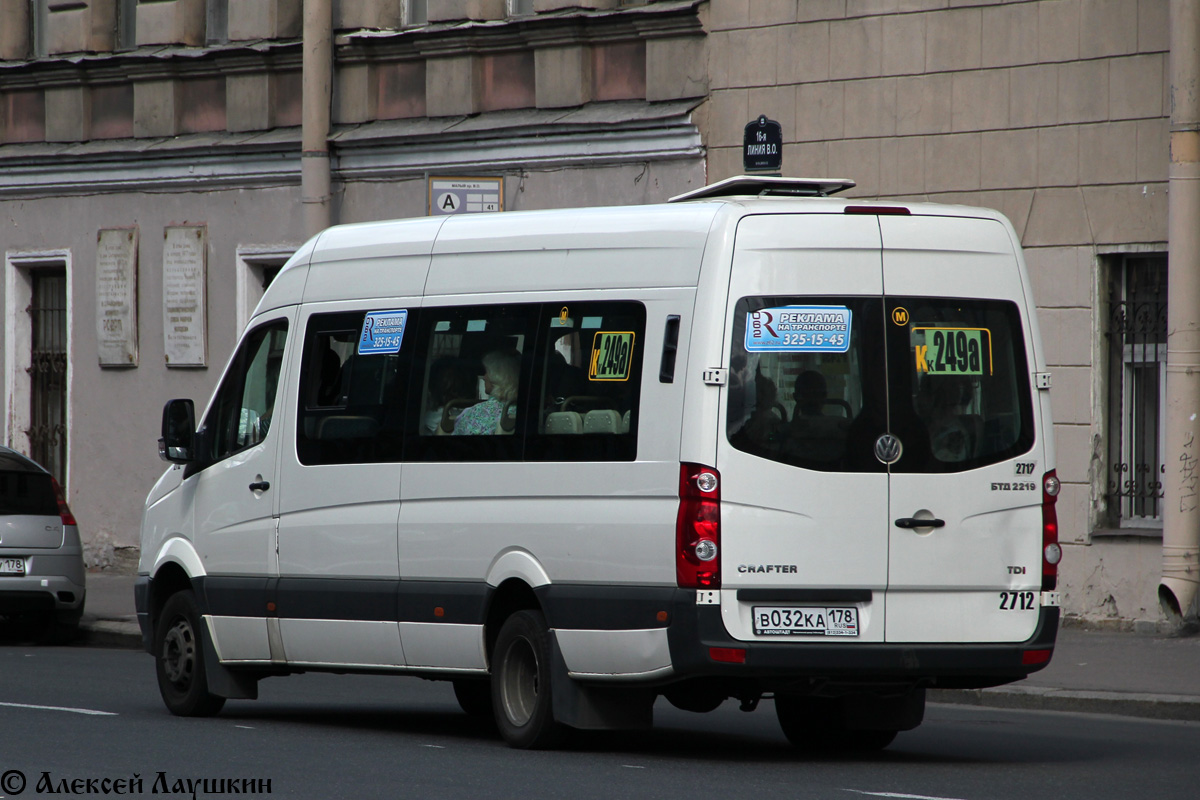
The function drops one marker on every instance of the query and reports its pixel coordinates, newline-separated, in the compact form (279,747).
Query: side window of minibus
(244,407)
(351,402)
(588,380)
(472,365)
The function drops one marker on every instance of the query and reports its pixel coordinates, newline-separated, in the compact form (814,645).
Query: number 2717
(1016,601)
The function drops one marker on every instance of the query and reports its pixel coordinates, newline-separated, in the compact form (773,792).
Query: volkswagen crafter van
(755,443)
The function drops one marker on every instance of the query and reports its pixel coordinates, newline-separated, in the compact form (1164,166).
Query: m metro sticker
(382,332)
(952,351)
(798,329)
(612,354)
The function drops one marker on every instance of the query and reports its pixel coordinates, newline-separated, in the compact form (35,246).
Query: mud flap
(594,708)
(222,681)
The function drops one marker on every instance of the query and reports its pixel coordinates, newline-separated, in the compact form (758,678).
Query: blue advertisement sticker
(798,329)
(382,332)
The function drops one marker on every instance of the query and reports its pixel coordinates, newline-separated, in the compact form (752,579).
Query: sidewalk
(1101,672)
(1129,674)
(109,617)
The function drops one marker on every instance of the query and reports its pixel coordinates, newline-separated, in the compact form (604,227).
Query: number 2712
(1016,601)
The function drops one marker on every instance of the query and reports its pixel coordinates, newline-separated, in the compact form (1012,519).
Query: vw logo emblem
(888,449)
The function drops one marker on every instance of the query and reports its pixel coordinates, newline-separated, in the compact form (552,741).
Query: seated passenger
(767,424)
(814,436)
(502,371)
(329,390)
(448,380)
(810,394)
(950,435)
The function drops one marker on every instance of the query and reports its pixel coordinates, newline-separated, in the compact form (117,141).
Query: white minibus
(755,443)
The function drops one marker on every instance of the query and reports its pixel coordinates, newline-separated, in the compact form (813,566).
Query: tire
(474,697)
(179,659)
(812,723)
(521,691)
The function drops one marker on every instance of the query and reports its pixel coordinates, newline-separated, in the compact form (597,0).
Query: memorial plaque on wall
(116,297)
(185,335)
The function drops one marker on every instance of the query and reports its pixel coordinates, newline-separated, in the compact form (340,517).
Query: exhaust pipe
(1177,591)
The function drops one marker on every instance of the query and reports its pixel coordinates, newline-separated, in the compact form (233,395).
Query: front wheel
(179,659)
(521,693)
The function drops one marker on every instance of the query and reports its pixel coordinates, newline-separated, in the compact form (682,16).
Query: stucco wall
(1113,581)
(114,414)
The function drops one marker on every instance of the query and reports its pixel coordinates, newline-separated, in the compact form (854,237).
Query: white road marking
(631,766)
(899,795)
(245,727)
(434,746)
(88,711)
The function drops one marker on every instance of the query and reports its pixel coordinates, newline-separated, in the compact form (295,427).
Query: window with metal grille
(48,371)
(1137,360)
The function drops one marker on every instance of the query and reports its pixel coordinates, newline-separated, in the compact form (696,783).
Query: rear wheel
(179,659)
(521,693)
(814,723)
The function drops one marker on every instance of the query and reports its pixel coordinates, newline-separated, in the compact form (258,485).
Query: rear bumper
(55,581)
(30,594)
(696,629)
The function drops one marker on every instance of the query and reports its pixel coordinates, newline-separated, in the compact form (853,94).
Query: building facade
(150,183)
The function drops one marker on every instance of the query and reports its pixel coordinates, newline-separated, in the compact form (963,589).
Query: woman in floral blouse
(502,370)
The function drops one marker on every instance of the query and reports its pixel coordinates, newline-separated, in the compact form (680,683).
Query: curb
(1177,707)
(95,632)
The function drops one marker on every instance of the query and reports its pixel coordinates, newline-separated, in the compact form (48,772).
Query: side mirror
(177,444)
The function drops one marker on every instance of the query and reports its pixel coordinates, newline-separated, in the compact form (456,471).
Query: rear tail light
(64,510)
(1031,658)
(698,528)
(727,655)
(1051,550)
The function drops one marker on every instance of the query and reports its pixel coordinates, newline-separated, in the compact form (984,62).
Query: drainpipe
(317,69)
(1181,515)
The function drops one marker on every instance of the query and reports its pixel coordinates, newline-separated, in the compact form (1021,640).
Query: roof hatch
(767,186)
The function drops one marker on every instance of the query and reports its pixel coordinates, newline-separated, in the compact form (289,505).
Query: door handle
(913,522)
(262,486)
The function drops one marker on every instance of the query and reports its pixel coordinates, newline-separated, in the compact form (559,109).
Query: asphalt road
(363,737)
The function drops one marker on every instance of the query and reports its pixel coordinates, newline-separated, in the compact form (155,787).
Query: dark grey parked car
(41,557)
